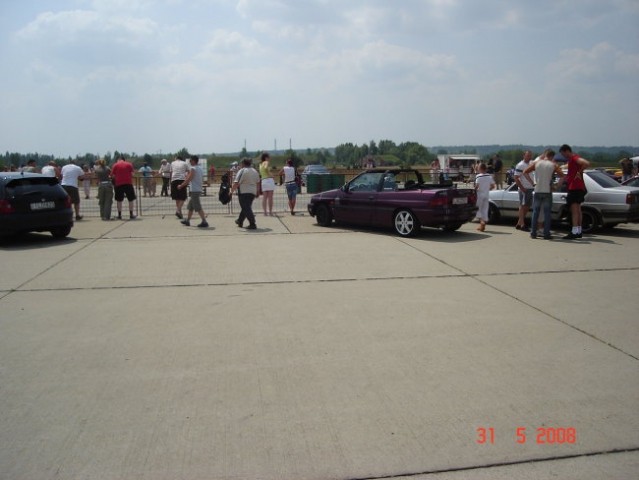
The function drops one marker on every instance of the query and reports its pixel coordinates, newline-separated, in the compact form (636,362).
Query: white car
(607,203)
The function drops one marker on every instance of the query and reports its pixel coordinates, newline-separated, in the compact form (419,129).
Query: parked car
(397,198)
(31,202)
(315,169)
(632,182)
(607,203)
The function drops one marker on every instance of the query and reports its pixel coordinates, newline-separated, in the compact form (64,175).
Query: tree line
(345,155)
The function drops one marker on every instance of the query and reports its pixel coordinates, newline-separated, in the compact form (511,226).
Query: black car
(31,202)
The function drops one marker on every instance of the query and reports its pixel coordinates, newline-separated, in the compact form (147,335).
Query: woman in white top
(288,172)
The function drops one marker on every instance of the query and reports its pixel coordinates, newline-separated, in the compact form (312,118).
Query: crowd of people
(535,179)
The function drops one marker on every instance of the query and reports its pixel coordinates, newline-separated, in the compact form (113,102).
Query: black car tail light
(67,202)
(6,207)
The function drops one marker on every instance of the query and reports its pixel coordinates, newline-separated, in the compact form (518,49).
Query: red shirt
(575,179)
(122,172)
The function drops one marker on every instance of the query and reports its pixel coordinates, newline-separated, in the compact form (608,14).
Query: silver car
(607,203)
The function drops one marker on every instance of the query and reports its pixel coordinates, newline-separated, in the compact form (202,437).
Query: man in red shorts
(122,173)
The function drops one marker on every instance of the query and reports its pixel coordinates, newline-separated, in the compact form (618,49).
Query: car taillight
(6,207)
(439,200)
(631,198)
(67,202)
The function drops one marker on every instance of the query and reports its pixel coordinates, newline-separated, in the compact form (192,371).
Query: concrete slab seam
(503,464)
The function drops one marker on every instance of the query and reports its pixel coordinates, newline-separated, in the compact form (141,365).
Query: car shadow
(425,234)
(32,241)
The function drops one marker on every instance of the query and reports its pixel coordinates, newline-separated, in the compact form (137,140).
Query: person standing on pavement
(245,183)
(498,175)
(122,173)
(179,170)
(626,169)
(105,189)
(484,183)
(576,189)
(165,173)
(525,184)
(545,169)
(147,177)
(288,172)
(71,173)
(267,184)
(195,178)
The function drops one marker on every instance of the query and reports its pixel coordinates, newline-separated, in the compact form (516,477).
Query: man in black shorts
(122,173)
(179,171)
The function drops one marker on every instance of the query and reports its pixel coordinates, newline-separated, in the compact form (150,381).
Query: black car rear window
(30,181)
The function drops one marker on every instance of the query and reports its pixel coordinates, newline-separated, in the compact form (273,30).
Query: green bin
(337,180)
(313,183)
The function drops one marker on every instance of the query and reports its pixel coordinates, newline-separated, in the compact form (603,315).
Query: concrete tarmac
(148,350)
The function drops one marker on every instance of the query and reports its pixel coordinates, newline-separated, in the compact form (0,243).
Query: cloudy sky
(148,76)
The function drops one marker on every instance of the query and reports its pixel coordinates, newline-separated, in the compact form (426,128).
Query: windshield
(603,179)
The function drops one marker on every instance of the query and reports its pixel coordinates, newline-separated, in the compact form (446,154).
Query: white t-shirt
(483,182)
(519,172)
(289,174)
(179,169)
(70,175)
(48,170)
(544,170)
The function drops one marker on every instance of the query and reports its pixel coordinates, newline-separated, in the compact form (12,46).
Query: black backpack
(225,190)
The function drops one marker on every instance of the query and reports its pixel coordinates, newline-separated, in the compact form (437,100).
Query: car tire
(405,223)
(324,215)
(589,221)
(61,232)
(493,214)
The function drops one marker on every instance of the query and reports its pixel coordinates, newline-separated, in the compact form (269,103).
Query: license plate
(460,200)
(42,205)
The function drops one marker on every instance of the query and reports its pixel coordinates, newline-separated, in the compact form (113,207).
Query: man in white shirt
(545,168)
(179,170)
(525,184)
(71,173)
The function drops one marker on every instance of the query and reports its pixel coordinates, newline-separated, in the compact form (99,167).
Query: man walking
(525,184)
(122,173)
(245,182)
(179,169)
(194,178)
(545,168)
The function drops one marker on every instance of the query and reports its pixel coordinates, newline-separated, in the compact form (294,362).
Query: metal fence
(152,204)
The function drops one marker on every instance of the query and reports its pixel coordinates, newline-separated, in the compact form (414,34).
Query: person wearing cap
(165,173)
(245,183)
(288,172)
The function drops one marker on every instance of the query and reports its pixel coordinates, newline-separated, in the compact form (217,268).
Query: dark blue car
(31,202)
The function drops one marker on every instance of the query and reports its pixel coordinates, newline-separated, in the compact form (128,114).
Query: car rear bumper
(34,221)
